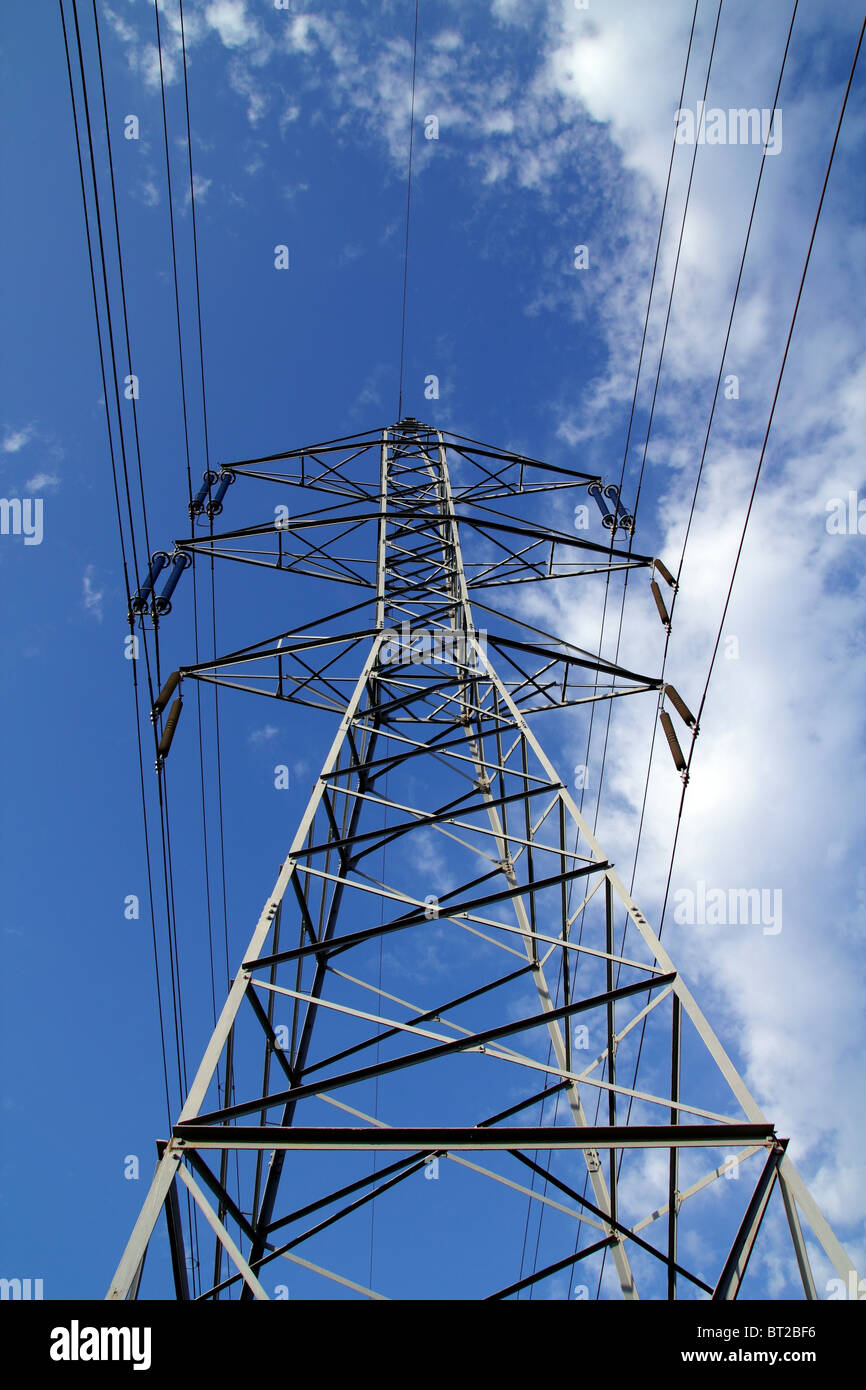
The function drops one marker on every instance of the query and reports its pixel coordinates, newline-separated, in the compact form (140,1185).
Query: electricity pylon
(439,832)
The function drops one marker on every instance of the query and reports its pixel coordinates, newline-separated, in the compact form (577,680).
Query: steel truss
(433,749)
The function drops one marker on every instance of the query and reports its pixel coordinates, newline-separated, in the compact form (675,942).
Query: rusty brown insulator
(665,573)
(168,731)
(165,694)
(681,707)
(660,604)
(673,741)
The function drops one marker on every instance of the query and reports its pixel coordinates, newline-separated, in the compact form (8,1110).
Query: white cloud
(228,20)
(768,801)
(244,80)
(265,734)
(288,116)
(499,123)
(447,40)
(511,11)
(149,193)
(92,597)
(143,55)
(352,251)
(372,392)
(42,482)
(13,440)
(200,186)
(235,27)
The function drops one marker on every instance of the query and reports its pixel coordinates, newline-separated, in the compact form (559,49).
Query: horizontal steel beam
(201,1136)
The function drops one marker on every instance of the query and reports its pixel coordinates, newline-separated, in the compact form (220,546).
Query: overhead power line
(764,443)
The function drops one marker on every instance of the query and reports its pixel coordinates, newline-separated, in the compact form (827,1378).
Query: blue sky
(554,130)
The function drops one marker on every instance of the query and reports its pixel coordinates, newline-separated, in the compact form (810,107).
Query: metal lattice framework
(439,831)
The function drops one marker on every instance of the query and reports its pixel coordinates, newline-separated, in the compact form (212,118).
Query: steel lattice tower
(433,689)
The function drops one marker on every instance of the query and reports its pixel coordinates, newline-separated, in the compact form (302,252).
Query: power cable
(183,397)
(100,239)
(756,479)
(228,1088)
(116,490)
(764,446)
(694,500)
(657,251)
(622,474)
(120,274)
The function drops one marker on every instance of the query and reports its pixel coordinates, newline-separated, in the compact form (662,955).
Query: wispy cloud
(351,252)
(13,440)
(230,21)
(92,596)
(371,393)
(43,482)
(265,734)
(201,186)
(288,116)
(143,55)
(291,190)
(148,192)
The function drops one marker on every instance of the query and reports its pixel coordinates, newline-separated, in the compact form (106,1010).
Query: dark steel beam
(176,1243)
(338,944)
(737,1262)
(431,1054)
(201,1134)
(545,1273)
